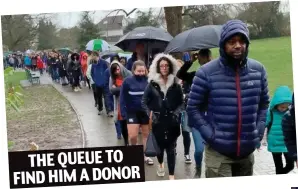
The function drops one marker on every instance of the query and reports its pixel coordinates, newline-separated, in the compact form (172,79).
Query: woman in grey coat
(117,75)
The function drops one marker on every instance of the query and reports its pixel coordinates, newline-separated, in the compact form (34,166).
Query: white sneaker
(149,161)
(187,159)
(160,171)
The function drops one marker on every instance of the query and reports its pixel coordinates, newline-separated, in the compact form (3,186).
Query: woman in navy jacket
(131,94)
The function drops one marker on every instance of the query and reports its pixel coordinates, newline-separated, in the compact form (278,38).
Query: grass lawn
(16,78)
(46,118)
(276,55)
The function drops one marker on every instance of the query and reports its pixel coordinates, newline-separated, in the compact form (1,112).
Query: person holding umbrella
(139,54)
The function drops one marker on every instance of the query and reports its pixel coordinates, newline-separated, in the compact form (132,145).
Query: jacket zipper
(238,90)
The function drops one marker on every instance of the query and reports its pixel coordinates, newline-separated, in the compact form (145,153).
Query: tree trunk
(173,16)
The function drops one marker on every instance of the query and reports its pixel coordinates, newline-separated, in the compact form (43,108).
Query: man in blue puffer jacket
(233,90)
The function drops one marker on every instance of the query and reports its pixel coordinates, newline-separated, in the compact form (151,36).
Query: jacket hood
(73,55)
(84,55)
(156,77)
(124,72)
(230,29)
(282,94)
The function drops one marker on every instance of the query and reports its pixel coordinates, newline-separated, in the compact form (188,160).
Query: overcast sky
(71,19)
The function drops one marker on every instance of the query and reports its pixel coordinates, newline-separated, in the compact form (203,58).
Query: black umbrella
(156,38)
(204,37)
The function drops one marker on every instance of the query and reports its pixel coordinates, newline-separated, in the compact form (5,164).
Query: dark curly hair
(171,68)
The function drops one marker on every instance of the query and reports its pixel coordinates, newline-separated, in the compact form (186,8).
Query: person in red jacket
(39,64)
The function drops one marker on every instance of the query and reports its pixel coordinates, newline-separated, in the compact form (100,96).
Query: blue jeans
(118,128)
(109,101)
(199,146)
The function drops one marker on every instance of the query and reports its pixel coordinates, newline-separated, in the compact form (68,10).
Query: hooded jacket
(84,63)
(116,91)
(289,131)
(97,72)
(283,94)
(236,100)
(27,61)
(164,100)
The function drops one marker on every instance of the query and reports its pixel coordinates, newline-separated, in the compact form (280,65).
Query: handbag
(152,148)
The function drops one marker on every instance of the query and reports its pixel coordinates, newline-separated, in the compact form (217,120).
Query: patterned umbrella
(97,45)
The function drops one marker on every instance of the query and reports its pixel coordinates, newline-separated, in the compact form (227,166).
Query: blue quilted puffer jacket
(236,100)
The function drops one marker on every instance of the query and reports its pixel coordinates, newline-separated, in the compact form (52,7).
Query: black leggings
(279,168)
(171,155)
(124,131)
(186,142)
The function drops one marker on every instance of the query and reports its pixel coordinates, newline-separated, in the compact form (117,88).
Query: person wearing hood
(131,94)
(27,62)
(289,132)
(233,90)
(98,68)
(118,73)
(84,64)
(108,97)
(75,69)
(278,106)
(40,64)
(163,97)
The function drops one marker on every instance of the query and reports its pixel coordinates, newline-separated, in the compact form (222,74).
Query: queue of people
(224,105)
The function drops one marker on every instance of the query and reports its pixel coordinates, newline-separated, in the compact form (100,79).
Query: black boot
(198,172)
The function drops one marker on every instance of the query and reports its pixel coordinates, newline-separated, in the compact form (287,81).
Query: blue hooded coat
(235,97)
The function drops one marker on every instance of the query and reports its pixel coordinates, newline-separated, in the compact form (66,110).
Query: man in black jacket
(289,131)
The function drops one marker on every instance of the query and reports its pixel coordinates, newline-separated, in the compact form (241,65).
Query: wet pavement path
(100,131)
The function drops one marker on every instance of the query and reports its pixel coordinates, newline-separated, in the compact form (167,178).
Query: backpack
(270,122)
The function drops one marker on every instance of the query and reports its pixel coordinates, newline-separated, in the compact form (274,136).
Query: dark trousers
(170,149)
(124,131)
(94,93)
(88,82)
(279,168)
(186,142)
(99,94)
